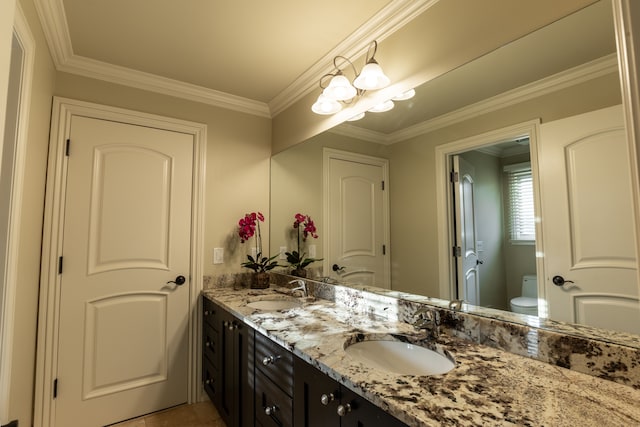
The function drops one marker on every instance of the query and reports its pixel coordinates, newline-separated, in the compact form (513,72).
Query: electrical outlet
(254,253)
(283,249)
(312,251)
(218,255)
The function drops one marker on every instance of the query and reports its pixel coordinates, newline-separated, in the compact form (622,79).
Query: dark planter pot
(260,281)
(299,272)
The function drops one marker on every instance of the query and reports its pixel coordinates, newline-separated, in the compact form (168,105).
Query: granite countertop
(487,386)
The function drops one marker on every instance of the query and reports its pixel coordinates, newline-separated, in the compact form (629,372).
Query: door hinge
(382,185)
(453,176)
(384,249)
(55,388)
(60,265)
(67,148)
(457,251)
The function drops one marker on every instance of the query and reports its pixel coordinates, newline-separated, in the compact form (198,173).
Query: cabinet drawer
(275,362)
(273,406)
(209,376)
(210,312)
(210,343)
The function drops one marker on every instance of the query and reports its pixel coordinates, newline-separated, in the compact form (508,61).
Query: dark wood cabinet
(254,381)
(227,371)
(273,383)
(320,401)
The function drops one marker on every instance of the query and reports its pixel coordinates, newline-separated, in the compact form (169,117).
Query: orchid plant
(248,227)
(304,224)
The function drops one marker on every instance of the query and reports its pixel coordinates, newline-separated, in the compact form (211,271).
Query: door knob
(179,281)
(337,268)
(559,280)
(479,262)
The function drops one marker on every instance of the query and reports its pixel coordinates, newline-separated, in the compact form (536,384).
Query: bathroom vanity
(295,370)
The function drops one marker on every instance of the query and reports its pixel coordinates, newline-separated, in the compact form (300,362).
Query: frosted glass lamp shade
(339,89)
(381,108)
(405,95)
(371,77)
(325,105)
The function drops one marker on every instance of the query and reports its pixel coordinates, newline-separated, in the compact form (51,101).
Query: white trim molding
(62,112)
(23,33)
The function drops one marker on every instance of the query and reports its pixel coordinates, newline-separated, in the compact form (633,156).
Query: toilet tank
(530,286)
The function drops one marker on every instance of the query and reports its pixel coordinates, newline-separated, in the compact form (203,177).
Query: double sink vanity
(330,355)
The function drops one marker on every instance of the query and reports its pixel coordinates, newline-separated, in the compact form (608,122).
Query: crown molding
(56,30)
(390,19)
(55,27)
(573,76)
(352,131)
(150,82)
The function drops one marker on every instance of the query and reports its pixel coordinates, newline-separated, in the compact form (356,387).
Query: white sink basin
(274,303)
(400,357)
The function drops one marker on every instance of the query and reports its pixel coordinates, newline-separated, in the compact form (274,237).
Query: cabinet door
(309,386)
(226,364)
(244,374)
(234,370)
(362,413)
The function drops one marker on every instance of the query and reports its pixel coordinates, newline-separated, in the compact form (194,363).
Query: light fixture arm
(375,49)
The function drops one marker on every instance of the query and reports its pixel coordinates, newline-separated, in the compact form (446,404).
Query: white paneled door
(590,248)
(123,347)
(357,218)
(467,262)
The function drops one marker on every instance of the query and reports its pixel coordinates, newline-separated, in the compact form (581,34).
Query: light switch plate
(283,249)
(218,255)
(312,251)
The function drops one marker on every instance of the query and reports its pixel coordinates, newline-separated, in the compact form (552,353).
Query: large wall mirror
(532,114)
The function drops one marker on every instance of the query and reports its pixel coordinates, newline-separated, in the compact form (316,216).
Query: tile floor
(201,414)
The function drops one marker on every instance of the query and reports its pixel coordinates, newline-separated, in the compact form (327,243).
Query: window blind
(521,217)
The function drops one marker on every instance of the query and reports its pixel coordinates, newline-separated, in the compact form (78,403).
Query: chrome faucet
(456,304)
(302,287)
(427,319)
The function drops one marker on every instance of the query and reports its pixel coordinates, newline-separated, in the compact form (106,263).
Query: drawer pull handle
(270,360)
(207,382)
(270,410)
(325,399)
(207,344)
(344,409)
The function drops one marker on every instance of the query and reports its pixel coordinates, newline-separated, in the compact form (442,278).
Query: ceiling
(253,56)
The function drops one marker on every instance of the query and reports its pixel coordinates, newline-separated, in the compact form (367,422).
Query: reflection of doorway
(503,262)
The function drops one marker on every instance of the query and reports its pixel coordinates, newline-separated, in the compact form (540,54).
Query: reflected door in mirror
(468,282)
(588,221)
(357,220)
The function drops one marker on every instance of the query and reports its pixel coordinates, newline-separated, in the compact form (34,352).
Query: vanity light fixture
(405,95)
(382,107)
(341,91)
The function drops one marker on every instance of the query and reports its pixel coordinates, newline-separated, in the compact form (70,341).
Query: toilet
(528,302)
